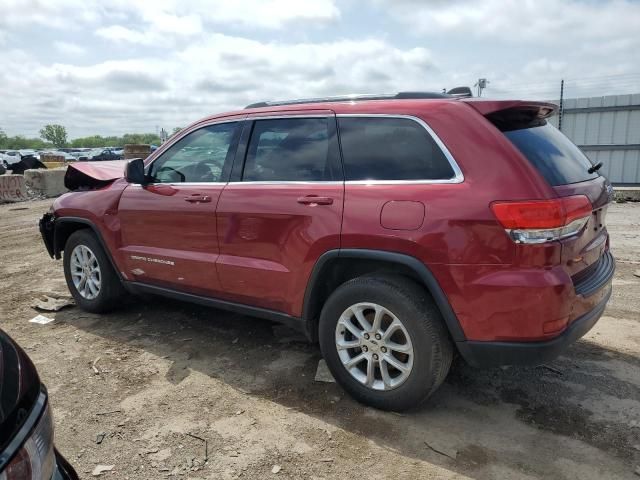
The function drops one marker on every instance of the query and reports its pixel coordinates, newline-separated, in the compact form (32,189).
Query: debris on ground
(450,453)
(323,374)
(100,469)
(551,369)
(276,469)
(52,304)
(637,273)
(100,437)
(41,319)
(93,366)
(108,413)
(206,445)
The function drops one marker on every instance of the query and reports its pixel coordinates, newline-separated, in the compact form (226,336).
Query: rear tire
(91,279)
(404,349)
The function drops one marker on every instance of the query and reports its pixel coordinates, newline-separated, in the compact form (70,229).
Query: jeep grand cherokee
(395,230)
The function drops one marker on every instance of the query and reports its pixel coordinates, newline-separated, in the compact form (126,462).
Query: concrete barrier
(50,157)
(132,150)
(54,164)
(49,183)
(12,188)
(627,194)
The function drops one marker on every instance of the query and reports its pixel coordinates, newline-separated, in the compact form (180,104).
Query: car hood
(19,388)
(92,175)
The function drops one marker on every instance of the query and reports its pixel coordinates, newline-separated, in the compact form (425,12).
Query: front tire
(385,342)
(90,277)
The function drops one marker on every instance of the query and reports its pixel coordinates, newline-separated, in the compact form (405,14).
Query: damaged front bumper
(47,230)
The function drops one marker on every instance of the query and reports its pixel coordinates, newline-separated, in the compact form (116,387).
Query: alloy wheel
(374,346)
(85,272)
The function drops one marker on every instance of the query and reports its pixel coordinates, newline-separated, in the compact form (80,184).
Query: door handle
(315,200)
(197,198)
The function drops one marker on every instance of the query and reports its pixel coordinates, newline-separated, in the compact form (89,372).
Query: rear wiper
(595,168)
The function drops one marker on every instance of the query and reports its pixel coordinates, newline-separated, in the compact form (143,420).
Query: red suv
(395,230)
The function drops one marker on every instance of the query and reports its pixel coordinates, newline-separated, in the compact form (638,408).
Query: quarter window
(291,149)
(390,149)
(200,156)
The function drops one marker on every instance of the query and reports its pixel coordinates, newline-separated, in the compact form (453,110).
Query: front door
(168,227)
(282,212)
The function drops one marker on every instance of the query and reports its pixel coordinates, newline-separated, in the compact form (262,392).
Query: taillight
(540,221)
(36,459)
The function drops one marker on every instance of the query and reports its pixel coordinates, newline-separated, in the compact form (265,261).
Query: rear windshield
(558,160)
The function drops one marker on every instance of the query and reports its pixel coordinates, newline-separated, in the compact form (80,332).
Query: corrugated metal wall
(607,129)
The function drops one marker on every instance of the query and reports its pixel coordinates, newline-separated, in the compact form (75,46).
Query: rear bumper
(493,354)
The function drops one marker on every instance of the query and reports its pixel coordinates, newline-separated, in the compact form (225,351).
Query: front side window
(379,148)
(291,149)
(198,157)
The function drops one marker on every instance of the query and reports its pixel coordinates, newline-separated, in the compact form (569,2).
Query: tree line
(55,136)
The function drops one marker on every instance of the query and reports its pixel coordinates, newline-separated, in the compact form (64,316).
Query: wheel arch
(66,226)
(335,267)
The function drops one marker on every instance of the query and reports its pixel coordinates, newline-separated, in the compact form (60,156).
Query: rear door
(569,172)
(281,211)
(169,235)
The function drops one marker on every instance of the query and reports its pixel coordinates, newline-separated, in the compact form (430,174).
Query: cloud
(67,48)
(525,47)
(211,74)
(123,81)
(118,33)
(169,16)
(270,13)
(177,61)
(520,21)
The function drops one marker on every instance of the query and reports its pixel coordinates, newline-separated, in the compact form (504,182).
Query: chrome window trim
(180,184)
(458,176)
(288,182)
(189,132)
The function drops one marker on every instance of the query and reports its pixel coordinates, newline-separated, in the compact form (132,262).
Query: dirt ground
(171,375)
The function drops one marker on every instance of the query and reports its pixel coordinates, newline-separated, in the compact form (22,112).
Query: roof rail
(350,98)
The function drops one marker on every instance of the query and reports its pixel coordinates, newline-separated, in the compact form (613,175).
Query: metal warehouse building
(607,129)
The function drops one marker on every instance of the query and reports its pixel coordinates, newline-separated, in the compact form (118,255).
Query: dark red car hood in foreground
(90,175)
(19,388)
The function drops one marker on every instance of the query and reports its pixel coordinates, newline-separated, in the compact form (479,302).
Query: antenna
(481,84)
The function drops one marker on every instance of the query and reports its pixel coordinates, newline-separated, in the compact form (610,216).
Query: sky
(114,66)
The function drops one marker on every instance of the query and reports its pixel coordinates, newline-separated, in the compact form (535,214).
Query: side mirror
(134,172)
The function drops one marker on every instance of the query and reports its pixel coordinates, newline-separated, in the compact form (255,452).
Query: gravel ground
(169,376)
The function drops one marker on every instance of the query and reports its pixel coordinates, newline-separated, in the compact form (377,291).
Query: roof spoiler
(489,107)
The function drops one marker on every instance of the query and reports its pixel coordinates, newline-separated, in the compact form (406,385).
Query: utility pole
(561,107)
(481,84)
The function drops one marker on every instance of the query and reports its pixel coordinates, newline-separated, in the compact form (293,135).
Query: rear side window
(292,149)
(557,159)
(390,149)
